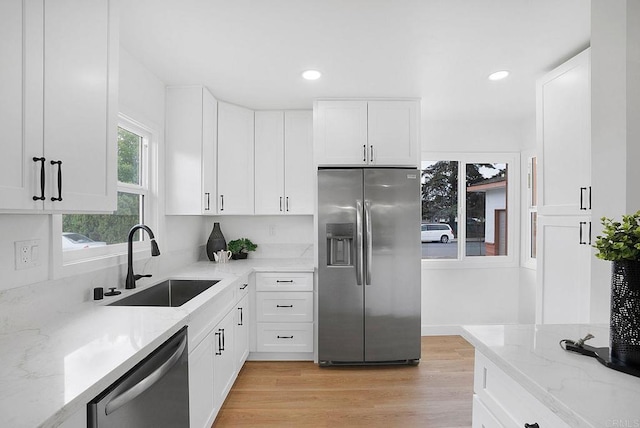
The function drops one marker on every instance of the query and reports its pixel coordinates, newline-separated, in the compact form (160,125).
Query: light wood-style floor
(435,394)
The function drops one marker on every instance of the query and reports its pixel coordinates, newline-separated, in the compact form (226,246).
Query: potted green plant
(240,248)
(620,243)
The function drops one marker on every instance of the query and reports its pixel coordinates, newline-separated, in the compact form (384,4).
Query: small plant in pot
(620,243)
(240,248)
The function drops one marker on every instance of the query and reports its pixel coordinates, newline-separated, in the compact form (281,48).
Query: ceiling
(251,52)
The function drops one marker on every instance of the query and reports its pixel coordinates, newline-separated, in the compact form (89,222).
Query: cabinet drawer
(285,337)
(482,417)
(507,400)
(284,281)
(284,306)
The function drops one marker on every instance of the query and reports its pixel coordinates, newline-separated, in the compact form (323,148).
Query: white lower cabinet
(499,401)
(219,345)
(284,315)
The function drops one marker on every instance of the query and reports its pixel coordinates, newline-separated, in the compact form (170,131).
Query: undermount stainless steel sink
(170,293)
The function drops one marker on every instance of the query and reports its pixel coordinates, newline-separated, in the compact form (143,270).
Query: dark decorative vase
(216,241)
(625,312)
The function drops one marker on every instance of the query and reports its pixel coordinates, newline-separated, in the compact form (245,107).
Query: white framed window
(87,237)
(470,200)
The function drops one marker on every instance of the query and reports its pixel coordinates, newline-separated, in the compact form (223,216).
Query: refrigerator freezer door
(340,298)
(392,290)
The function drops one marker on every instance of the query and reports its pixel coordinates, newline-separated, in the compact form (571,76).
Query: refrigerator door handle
(368,255)
(359,249)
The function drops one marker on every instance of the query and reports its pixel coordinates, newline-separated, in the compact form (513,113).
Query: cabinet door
(564,138)
(393,133)
(190,151)
(235,159)
(564,269)
(340,133)
(241,332)
(80,103)
(298,162)
(224,367)
(202,404)
(269,170)
(21,103)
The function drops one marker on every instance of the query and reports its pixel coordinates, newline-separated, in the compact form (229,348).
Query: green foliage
(242,245)
(619,240)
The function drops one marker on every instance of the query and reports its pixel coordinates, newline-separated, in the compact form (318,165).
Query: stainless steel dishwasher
(155,393)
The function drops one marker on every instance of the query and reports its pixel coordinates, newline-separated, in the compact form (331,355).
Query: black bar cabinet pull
(241,320)
(285,337)
(582,190)
(219,351)
(284,280)
(221,202)
(364,153)
(582,242)
(222,349)
(531,425)
(280,203)
(59,163)
(589,197)
(42,179)
(208,206)
(284,306)
(589,233)
(371,159)
(245,285)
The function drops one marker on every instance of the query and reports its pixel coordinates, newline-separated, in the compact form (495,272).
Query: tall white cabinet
(564,200)
(367,132)
(284,162)
(235,159)
(58,110)
(190,153)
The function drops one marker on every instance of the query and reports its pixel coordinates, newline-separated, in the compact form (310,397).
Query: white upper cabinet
(21,82)
(191,143)
(284,162)
(235,159)
(61,81)
(393,133)
(564,138)
(367,133)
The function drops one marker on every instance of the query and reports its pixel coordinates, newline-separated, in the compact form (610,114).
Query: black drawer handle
(284,306)
(244,286)
(283,280)
(219,351)
(285,337)
(241,316)
(41,197)
(535,425)
(59,163)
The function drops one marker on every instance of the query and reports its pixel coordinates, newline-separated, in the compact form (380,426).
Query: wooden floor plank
(435,394)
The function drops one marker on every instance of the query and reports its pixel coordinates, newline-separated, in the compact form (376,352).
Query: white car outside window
(436,232)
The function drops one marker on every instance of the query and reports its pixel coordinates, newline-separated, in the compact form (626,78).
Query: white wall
(452,297)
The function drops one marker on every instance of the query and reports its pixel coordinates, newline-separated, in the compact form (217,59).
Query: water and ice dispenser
(340,246)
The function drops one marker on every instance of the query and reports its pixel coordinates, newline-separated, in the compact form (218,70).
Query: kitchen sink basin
(170,293)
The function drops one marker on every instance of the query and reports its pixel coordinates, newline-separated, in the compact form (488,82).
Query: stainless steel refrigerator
(368,266)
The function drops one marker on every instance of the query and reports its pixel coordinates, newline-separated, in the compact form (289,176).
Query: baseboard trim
(441,330)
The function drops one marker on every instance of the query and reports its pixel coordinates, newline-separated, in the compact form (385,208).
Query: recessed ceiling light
(311,74)
(498,75)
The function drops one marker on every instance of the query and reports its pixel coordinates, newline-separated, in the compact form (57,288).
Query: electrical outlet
(27,254)
(272,230)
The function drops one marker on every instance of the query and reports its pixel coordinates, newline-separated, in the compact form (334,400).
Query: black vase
(216,241)
(625,312)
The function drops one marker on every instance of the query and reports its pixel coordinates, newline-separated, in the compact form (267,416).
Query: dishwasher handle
(146,383)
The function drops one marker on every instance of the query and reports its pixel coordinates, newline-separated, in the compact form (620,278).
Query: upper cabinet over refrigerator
(367,132)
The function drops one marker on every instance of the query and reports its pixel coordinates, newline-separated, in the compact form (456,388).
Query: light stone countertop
(580,390)
(49,372)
